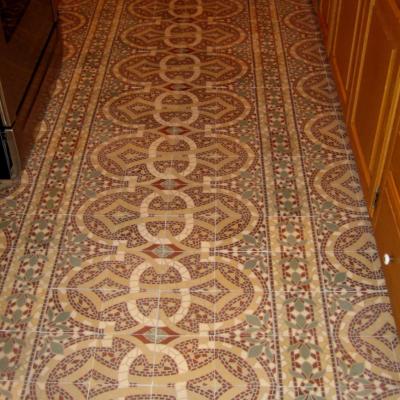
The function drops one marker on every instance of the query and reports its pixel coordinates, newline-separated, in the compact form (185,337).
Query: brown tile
(63,359)
(110,272)
(52,390)
(192,232)
(339,234)
(201,388)
(185,362)
(13,345)
(292,235)
(360,314)
(351,271)
(20,311)
(117,229)
(228,36)
(124,313)
(334,187)
(194,271)
(71,311)
(248,366)
(187,312)
(365,366)
(10,223)
(117,391)
(8,389)
(122,361)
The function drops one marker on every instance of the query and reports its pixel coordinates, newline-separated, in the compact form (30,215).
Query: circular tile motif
(353,250)
(302,21)
(337,184)
(318,88)
(367,335)
(327,131)
(308,51)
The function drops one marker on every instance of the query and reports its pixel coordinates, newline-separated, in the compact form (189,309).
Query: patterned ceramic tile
(52,390)
(124,360)
(115,391)
(62,360)
(12,346)
(69,311)
(190,222)
(124,312)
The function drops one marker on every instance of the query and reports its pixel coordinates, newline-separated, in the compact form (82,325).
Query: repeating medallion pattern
(190,224)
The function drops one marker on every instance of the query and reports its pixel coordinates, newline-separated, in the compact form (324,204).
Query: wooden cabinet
(364,50)
(345,38)
(326,12)
(365,57)
(24,32)
(387,225)
(326,8)
(375,91)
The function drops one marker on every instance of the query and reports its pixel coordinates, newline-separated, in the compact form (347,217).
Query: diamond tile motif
(190,223)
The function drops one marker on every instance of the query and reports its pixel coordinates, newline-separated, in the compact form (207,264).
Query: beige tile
(190,223)
(51,390)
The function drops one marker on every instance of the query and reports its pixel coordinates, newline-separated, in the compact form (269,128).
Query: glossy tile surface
(190,223)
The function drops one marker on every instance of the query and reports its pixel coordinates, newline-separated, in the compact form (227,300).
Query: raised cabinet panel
(346,27)
(22,41)
(316,5)
(387,227)
(374,94)
(324,11)
(326,14)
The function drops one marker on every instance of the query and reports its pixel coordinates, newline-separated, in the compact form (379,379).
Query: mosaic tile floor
(190,223)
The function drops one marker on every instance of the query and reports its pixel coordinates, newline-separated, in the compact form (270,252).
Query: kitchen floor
(190,222)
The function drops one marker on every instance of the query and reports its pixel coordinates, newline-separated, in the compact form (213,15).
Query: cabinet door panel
(326,15)
(344,45)
(387,227)
(21,45)
(324,11)
(375,93)
(316,5)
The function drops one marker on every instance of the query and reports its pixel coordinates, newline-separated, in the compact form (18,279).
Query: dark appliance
(26,29)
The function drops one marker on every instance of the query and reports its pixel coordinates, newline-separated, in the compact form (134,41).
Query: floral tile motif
(361,314)
(69,311)
(62,359)
(20,311)
(190,223)
(372,369)
(12,346)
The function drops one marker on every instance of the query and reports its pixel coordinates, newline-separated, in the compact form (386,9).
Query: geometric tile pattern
(190,223)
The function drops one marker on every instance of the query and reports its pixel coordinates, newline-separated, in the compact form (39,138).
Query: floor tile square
(115,391)
(125,313)
(71,311)
(186,362)
(51,390)
(63,359)
(123,361)
(20,311)
(187,312)
(127,272)
(13,345)
(194,271)
(360,314)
